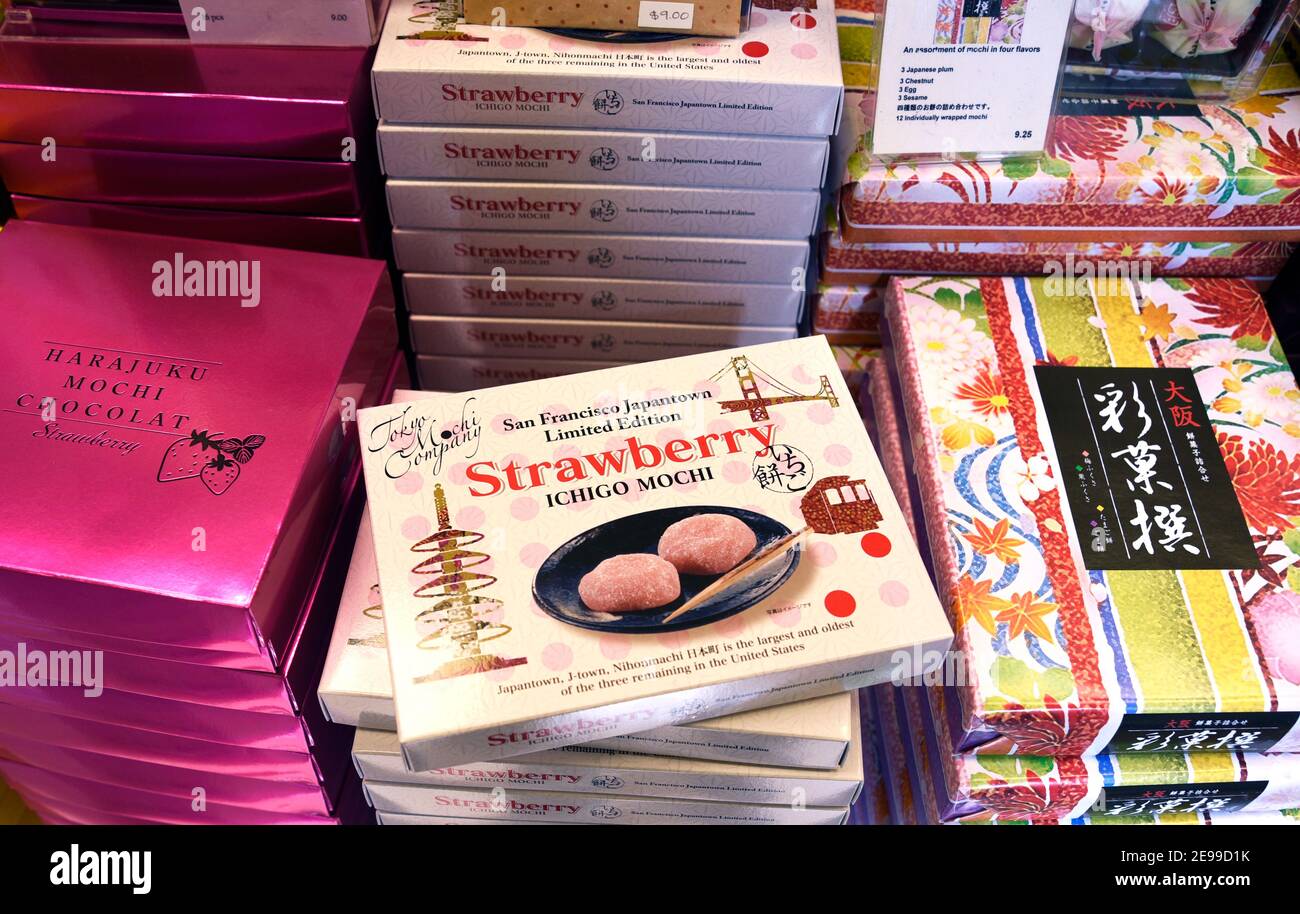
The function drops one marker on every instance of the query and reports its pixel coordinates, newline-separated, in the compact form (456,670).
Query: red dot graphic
(803,21)
(840,603)
(755,49)
(876,545)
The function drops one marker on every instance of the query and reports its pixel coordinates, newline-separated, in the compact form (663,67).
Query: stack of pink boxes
(116,119)
(566,203)
(176,519)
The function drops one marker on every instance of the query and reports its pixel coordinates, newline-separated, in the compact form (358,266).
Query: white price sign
(978,77)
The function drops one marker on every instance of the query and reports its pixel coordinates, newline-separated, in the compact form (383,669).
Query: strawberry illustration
(220,474)
(186,457)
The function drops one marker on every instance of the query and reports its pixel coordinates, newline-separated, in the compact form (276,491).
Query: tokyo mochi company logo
(463,617)
(215,460)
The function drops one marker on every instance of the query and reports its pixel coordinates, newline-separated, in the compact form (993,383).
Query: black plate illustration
(556,586)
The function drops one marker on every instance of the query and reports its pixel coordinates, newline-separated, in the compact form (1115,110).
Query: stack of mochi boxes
(796,764)
(562,203)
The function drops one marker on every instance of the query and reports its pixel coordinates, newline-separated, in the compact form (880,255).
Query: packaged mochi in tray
(598,554)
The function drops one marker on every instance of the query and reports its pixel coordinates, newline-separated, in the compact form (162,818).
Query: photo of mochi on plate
(667,569)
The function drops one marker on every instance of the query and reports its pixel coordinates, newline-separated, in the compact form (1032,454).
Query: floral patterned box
(1161,649)
(1049,790)
(1196,174)
(846,264)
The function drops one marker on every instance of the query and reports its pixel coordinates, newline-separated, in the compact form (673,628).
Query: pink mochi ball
(630,583)
(707,543)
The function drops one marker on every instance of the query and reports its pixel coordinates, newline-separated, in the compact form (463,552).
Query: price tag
(660,14)
(968,76)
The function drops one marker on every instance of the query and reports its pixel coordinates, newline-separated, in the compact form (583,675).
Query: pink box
(171,96)
(217,564)
(352,236)
(220,182)
(104,802)
(156,748)
(224,789)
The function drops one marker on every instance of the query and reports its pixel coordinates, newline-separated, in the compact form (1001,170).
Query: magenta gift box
(156,748)
(171,96)
(352,236)
(110,800)
(228,790)
(221,182)
(142,399)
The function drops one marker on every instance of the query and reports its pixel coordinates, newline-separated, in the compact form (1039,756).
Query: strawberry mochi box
(176,433)
(599,554)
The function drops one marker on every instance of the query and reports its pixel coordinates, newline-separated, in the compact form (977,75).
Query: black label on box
(1228,796)
(982,8)
(1245,731)
(1142,471)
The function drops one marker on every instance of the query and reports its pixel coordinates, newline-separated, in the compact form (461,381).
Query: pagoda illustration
(458,623)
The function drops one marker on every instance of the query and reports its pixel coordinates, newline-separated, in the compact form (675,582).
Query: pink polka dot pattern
(557,656)
(614,647)
(457,473)
(757,19)
(804,51)
(470,519)
(822,554)
(498,422)
(673,640)
(513,41)
(837,455)
(532,555)
(720,427)
(633,493)
(501,675)
(801,375)
(894,593)
(735,472)
(732,627)
(409,482)
(712,387)
(416,527)
(671,433)
(788,619)
(524,508)
(821,413)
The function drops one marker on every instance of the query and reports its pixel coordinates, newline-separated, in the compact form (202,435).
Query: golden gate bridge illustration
(457,625)
(749,374)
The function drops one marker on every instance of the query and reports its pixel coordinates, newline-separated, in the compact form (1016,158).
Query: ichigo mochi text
(420,441)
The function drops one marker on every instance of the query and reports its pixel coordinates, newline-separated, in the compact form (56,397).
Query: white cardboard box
(603,299)
(356,689)
(582,769)
(610,256)
(517,206)
(487,508)
(780,77)
(393,800)
(603,157)
(458,373)
(612,340)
